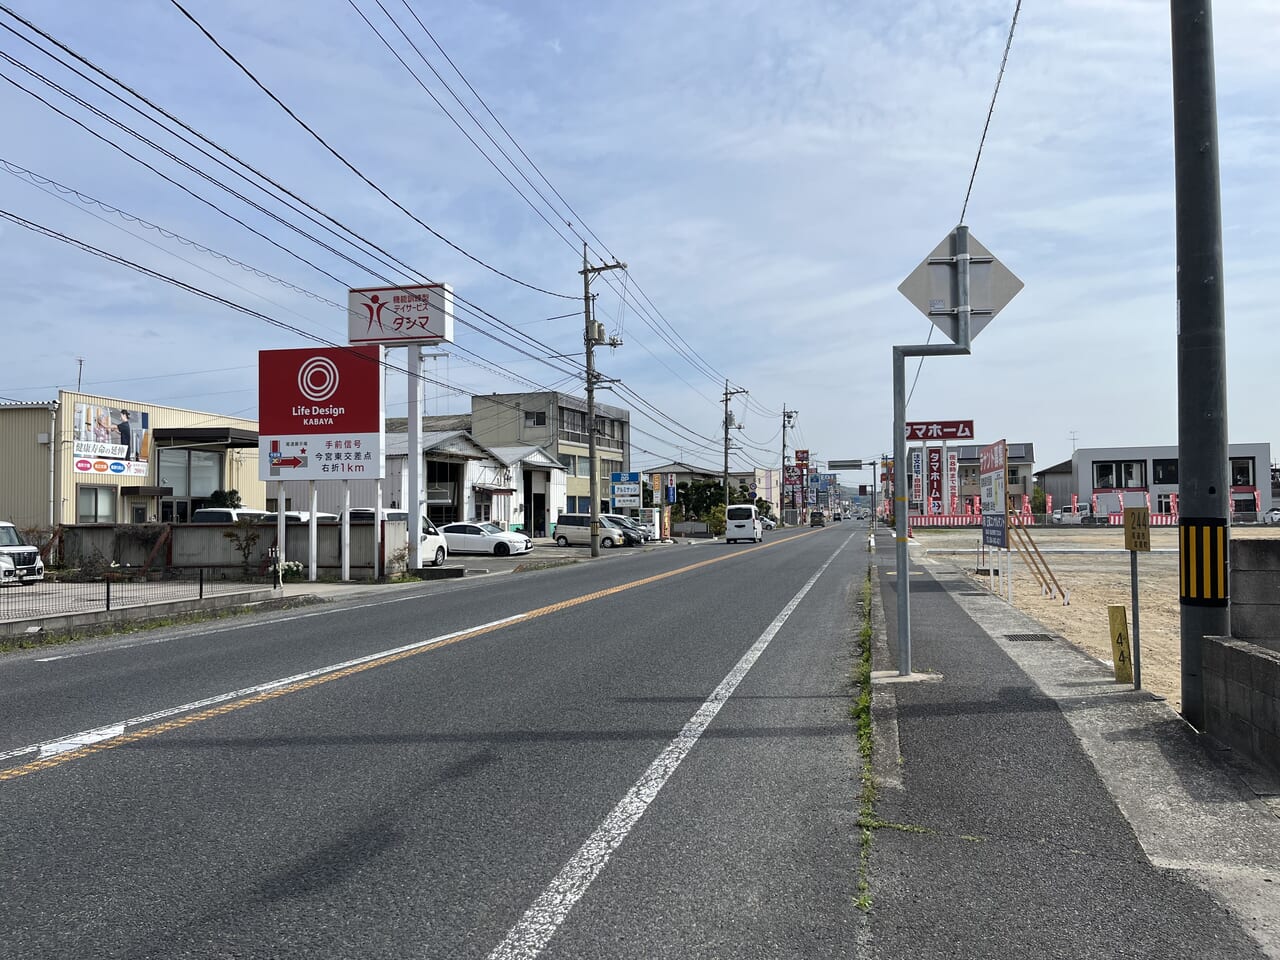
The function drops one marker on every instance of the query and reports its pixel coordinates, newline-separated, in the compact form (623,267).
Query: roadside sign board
(321,413)
(1137,528)
(993,465)
(397,316)
(932,289)
(844,464)
(940,430)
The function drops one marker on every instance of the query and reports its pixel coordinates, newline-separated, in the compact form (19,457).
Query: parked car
(484,538)
(435,549)
(631,523)
(768,522)
(575,529)
(1272,515)
(226,514)
(817,519)
(297,516)
(19,561)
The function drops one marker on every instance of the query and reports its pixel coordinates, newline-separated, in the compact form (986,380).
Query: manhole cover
(1029,637)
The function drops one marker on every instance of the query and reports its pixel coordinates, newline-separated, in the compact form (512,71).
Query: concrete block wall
(1255,592)
(1242,698)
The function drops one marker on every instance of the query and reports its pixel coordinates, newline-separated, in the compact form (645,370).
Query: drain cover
(1029,637)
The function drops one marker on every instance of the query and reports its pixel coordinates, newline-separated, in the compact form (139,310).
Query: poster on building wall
(113,441)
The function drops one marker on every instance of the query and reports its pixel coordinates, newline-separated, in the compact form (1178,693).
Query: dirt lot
(1092,564)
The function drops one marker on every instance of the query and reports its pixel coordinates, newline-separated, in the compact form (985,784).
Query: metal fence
(115,591)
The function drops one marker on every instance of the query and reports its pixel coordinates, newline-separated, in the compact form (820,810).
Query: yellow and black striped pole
(1202,561)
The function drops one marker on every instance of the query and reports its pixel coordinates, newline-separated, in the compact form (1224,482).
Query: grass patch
(860,711)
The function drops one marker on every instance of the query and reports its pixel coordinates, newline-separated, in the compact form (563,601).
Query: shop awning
(232,437)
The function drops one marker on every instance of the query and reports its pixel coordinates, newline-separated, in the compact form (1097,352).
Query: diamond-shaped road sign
(931,287)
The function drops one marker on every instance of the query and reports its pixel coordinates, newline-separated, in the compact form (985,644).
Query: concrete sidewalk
(1029,806)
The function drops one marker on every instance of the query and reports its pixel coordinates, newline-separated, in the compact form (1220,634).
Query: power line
(350,166)
(991,109)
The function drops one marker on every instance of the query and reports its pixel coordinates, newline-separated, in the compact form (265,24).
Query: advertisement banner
(110,440)
(940,430)
(934,457)
(993,466)
(321,414)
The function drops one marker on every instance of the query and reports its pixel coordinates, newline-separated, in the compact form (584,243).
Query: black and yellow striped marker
(1202,561)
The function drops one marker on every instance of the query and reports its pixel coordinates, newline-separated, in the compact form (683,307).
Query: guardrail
(113,591)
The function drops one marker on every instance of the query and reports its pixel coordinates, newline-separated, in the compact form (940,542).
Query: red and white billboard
(400,315)
(321,413)
(940,430)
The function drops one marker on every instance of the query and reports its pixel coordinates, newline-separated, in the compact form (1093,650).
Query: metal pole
(282,530)
(1133,594)
(346,529)
(782,498)
(590,340)
(311,531)
(413,502)
(377,529)
(900,509)
(1203,458)
(725,476)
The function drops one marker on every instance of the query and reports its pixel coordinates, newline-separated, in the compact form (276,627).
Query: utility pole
(594,334)
(79,372)
(788,416)
(728,422)
(1204,531)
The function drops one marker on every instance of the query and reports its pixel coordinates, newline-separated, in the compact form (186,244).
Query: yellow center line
(144,733)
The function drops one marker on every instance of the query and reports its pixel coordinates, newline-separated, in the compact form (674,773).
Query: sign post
(405,317)
(1137,536)
(320,417)
(960,287)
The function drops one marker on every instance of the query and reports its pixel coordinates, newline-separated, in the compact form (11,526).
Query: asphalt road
(647,756)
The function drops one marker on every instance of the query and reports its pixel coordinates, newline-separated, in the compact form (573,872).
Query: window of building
(608,467)
(570,463)
(1164,501)
(1120,474)
(573,421)
(191,473)
(1164,471)
(535,418)
(95,504)
(1242,472)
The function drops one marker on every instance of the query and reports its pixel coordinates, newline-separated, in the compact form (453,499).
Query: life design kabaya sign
(321,414)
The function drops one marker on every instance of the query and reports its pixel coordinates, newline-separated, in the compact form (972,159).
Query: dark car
(816,519)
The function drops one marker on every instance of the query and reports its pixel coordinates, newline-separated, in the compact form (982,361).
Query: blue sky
(770,173)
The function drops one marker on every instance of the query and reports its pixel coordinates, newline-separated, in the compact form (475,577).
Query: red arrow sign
(288,462)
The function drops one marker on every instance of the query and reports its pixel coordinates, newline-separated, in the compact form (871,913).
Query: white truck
(19,561)
(1076,514)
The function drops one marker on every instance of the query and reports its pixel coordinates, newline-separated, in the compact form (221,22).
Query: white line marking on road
(62,744)
(540,922)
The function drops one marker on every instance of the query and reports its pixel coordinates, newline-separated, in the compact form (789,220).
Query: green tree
(715,520)
(1037,499)
(225,498)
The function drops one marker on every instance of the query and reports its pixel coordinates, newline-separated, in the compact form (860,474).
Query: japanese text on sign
(940,430)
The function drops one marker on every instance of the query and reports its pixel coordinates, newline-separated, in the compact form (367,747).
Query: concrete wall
(204,545)
(1255,592)
(1242,698)
(1241,673)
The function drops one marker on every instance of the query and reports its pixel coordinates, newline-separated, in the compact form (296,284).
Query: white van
(742,522)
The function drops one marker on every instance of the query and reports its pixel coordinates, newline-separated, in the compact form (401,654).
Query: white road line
(76,740)
(540,922)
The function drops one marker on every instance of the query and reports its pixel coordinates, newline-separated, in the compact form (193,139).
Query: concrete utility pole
(594,334)
(1204,532)
(728,421)
(788,416)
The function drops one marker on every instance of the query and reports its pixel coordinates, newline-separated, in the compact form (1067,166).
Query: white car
(768,523)
(1272,515)
(484,538)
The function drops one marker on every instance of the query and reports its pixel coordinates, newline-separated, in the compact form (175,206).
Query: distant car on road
(768,523)
(836,517)
(484,538)
(816,519)
(1272,515)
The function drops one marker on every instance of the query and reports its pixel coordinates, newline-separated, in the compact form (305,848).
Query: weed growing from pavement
(861,713)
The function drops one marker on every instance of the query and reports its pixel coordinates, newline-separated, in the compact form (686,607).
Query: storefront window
(172,470)
(206,473)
